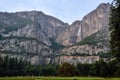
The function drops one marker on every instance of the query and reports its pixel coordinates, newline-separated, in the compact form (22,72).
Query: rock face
(89,38)
(49,25)
(91,23)
(70,35)
(96,20)
(28,34)
(82,59)
(34,36)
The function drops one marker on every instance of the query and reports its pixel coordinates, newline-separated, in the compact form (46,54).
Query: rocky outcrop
(83,49)
(79,59)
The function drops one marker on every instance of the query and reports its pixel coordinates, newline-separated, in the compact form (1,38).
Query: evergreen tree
(1,65)
(115,29)
(80,69)
(66,70)
(95,69)
(117,73)
(103,68)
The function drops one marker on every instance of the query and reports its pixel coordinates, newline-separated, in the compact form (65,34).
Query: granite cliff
(29,34)
(90,24)
(41,39)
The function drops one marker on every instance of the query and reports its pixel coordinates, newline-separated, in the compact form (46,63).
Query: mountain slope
(28,34)
(39,38)
(87,40)
(91,23)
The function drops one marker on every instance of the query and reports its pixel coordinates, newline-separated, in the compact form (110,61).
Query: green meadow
(57,78)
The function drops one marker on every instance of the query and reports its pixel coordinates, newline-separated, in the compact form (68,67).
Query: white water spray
(79,31)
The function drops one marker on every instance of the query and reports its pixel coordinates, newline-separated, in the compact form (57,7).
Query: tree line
(19,67)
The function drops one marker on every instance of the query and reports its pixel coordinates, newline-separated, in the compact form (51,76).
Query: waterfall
(79,31)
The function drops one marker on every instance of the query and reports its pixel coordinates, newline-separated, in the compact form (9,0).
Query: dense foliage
(88,40)
(104,55)
(115,29)
(115,34)
(80,54)
(19,67)
(55,46)
(66,69)
(93,39)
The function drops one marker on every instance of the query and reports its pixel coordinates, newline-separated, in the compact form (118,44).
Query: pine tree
(103,68)
(115,30)
(67,70)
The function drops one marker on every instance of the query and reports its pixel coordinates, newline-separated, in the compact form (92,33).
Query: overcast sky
(66,10)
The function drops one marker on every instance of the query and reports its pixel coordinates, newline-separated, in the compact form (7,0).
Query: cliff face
(90,37)
(70,35)
(38,38)
(91,23)
(49,25)
(28,34)
(96,20)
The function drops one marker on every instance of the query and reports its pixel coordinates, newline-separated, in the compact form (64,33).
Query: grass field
(56,78)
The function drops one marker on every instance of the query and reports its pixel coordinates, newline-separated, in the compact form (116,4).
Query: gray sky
(66,10)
